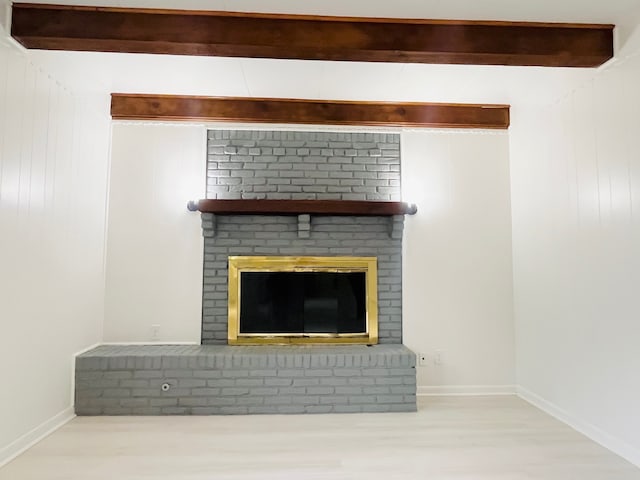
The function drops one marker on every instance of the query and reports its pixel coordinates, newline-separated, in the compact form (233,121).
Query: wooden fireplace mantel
(301,207)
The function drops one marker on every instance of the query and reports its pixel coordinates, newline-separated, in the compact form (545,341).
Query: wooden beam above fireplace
(230,34)
(301,207)
(315,112)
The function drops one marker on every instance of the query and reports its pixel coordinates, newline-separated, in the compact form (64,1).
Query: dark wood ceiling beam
(316,112)
(310,37)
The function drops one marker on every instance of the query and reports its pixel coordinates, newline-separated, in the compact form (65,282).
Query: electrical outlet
(422,359)
(154,332)
(439,357)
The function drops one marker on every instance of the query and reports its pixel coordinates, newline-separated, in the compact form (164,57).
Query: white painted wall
(53,179)
(457,273)
(576,238)
(458,294)
(154,259)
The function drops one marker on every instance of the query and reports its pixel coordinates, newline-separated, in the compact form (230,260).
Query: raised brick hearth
(205,380)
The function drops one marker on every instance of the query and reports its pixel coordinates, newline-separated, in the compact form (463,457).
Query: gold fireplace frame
(239,264)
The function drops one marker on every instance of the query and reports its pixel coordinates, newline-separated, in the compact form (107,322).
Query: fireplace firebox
(282,300)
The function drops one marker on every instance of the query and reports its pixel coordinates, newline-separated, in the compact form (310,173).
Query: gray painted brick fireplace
(278,235)
(303,165)
(215,378)
(310,166)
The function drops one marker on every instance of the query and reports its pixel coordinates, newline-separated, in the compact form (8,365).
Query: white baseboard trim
(617,446)
(29,439)
(465,390)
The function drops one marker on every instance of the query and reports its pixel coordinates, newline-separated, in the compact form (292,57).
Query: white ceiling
(134,73)
(595,11)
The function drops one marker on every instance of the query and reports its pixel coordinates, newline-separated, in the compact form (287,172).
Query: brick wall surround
(290,165)
(303,165)
(278,235)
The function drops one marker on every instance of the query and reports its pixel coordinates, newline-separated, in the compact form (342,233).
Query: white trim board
(614,444)
(85,350)
(466,390)
(29,439)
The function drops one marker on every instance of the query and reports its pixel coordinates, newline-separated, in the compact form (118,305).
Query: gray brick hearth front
(211,379)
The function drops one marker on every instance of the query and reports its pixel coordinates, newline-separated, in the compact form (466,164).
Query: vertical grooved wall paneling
(54,147)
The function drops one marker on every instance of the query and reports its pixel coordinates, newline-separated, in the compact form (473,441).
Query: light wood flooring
(461,438)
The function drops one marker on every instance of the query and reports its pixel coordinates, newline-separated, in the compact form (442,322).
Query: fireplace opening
(302,300)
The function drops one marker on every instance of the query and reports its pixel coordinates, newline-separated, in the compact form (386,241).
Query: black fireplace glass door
(302,302)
